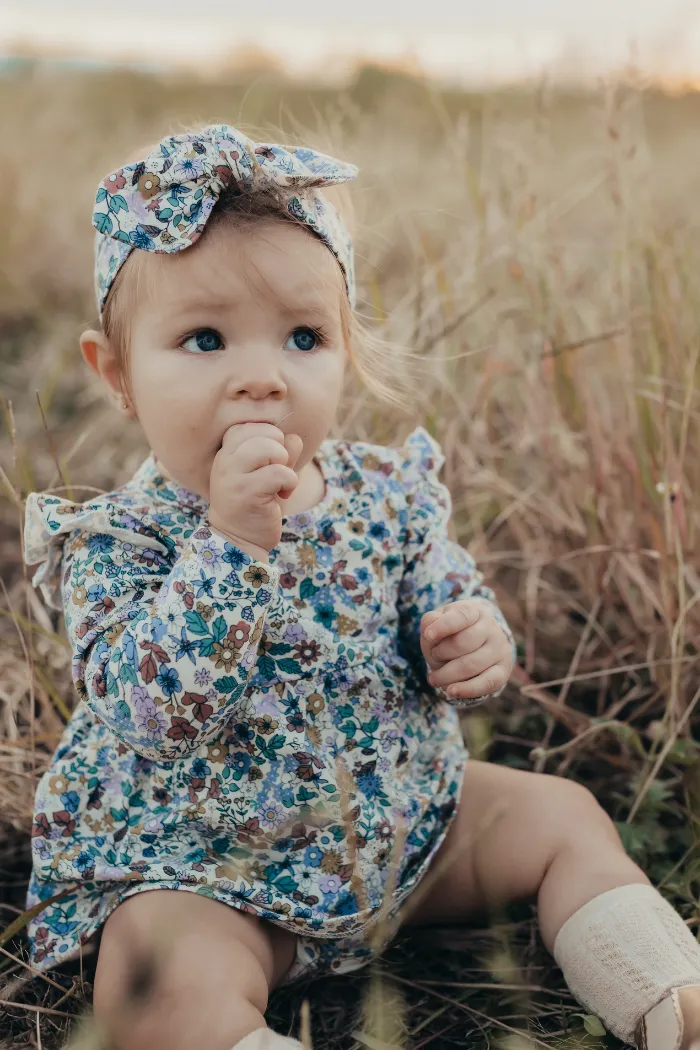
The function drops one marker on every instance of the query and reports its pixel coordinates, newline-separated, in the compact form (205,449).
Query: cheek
(323,383)
(161,386)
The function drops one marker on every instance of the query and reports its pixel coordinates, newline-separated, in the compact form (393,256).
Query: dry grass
(539,253)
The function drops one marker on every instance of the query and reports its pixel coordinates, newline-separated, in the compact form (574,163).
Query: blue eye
(205,341)
(303,339)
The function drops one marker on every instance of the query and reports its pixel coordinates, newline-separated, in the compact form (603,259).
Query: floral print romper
(260,734)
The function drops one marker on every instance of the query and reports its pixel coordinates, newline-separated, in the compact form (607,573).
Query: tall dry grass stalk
(537,254)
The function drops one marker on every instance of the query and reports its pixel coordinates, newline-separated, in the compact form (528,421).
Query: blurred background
(528,230)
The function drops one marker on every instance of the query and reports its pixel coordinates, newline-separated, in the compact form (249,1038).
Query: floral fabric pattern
(262,734)
(162,203)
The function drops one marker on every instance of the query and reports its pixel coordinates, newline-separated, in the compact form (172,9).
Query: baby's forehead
(277,261)
(273,263)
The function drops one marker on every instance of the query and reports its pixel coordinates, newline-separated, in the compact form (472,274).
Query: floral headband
(162,203)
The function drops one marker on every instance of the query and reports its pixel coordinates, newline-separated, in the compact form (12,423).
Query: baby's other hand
(467,650)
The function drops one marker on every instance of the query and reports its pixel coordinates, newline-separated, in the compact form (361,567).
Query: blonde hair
(373,359)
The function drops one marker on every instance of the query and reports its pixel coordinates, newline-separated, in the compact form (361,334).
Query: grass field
(538,255)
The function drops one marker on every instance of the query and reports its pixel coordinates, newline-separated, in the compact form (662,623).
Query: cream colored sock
(623,952)
(266,1039)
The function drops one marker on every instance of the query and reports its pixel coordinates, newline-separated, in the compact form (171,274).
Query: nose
(258,376)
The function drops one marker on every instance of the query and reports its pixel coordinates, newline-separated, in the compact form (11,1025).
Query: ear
(98,354)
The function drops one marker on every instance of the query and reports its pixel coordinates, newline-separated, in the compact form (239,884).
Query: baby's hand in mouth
(251,473)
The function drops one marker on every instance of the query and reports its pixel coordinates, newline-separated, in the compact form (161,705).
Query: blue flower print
(186,646)
(205,585)
(326,614)
(370,784)
(169,681)
(84,862)
(157,629)
(188,168)
(100,544)
(140,239)
(60,925)
(323,596)
(200,768)
(379,531)
(71,801)
(245,733)
(211,729)
(313,856)
(234,557)
(240,762)
(345,904)
(325,556)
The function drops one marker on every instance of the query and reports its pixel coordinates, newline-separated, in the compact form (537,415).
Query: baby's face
(244,326)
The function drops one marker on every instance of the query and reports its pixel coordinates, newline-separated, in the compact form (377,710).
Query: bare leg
(521,835)
(178,971)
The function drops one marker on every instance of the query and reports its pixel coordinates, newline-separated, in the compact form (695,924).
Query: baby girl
(272,636)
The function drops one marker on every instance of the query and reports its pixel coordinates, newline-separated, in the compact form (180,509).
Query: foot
(690,1010)
(673,1024)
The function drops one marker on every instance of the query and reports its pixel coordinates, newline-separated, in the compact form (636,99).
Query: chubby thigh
(178,970)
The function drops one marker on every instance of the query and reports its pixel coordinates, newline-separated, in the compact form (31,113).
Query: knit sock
(266,1039)
(623,952)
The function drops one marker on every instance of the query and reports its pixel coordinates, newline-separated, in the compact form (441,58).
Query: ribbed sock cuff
(622,952)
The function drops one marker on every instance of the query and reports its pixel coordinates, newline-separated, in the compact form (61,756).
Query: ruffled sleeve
(49,521)
(436,569)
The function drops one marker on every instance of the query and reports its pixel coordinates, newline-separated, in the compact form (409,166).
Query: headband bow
(162,203)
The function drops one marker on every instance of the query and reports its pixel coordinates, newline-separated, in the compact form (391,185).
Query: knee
(568,808)
(173,973)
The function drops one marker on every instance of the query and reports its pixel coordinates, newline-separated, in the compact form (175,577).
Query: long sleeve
(436,569)
(164,640)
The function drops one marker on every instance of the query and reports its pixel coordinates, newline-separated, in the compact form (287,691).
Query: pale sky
(620,18)
(522,33)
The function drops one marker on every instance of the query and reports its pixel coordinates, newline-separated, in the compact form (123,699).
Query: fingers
(490,680)
(294,446)
(260,452)
(257,445)
(448,620)
(273,480)
(465,666)
(285,493)
(463,642)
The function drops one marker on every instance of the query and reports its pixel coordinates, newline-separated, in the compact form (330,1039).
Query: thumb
(294,446)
